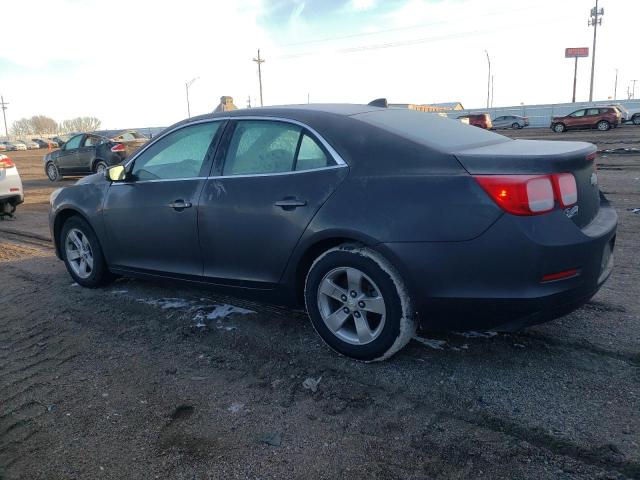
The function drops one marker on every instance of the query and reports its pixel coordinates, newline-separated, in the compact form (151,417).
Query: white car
(11,192)
(628,115)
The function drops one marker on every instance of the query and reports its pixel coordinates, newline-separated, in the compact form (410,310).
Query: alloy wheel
(79,253)
(603,126)
(351,305)
(52,172)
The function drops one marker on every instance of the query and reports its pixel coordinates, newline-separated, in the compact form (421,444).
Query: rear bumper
(494,281)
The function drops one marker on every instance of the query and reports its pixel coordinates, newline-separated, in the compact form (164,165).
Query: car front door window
(578,114)
(73,143)
(180,154)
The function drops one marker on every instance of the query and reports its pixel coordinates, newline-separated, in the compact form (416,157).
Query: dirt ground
(146,380)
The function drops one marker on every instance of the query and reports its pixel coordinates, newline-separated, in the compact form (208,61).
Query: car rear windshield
(430,129)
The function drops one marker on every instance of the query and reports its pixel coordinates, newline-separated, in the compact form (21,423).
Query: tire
(379,321)
(516,126)
(78,238)
(636,119)
(603,125)
(559,128)
(52,172)
(100,166)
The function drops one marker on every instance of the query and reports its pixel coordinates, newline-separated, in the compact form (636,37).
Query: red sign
(576,52)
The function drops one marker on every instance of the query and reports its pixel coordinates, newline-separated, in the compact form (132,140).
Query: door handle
(290,203)
(180,205)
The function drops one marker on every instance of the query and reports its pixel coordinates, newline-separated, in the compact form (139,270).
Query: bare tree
(43,125)
(81,124)
(22,127)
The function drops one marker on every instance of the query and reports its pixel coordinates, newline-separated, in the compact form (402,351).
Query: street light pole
(186,87)
(488,79)
(615,88)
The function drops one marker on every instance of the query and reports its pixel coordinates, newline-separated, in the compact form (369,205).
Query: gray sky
(126,62)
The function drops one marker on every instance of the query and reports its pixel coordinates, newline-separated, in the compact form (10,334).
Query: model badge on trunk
(571,212)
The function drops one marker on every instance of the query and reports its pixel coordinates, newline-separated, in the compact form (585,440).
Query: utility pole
(633,89)
(488,79)
(248,101)
(575,79)
(615,88)
(4,115)
(186,87)
(259,61)
(594,21)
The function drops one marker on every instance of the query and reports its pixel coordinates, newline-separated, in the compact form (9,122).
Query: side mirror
(116,173)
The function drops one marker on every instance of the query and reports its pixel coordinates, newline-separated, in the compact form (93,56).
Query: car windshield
(431,130)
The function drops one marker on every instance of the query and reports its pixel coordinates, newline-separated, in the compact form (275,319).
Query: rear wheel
(358,303)
(100,167)
(515,126)
(603,125)
(52,172)
(82,254)
(559,128)
(636,119)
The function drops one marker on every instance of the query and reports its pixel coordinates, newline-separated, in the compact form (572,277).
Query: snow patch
(474,334)
(431,343)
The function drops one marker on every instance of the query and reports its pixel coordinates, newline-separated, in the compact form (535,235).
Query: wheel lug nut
(356,314)
(353,293)
(345,310)
(344,298)
(361,304)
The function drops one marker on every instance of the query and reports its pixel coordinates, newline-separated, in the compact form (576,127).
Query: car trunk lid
(538,157)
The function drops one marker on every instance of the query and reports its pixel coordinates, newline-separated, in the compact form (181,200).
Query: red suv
(482,120)
(602,118)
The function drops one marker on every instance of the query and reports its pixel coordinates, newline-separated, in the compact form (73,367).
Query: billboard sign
(576,52)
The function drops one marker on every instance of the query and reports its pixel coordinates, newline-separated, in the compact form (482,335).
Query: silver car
(510,121)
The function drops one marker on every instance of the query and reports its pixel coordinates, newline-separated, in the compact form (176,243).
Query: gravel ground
(148,380)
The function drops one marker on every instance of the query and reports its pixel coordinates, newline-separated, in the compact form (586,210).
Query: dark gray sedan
(375,219)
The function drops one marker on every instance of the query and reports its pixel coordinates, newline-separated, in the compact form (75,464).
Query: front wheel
(82,254)
(559,128)
(52,172)
(636,119)
(603,125)
(358,303)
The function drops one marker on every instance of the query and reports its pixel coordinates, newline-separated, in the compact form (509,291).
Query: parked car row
(32,144)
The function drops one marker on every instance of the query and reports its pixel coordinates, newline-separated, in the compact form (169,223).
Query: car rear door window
(310,155)
(593,111)
(178,155)
(260,147)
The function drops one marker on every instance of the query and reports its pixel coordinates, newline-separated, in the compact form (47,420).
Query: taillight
(530,194)
(118,147)
(6,163)
(566,189)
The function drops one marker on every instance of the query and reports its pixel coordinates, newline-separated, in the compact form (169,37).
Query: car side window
(179,154)
(593,111)
(74,142)
(310,155)
(578,113)
(261,147)
(90,141)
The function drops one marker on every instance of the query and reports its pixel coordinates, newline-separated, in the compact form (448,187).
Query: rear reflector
(6,163)
(14,189)
(118,148)
(574,272)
